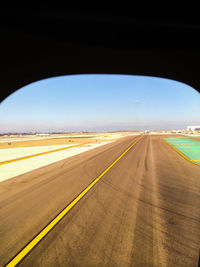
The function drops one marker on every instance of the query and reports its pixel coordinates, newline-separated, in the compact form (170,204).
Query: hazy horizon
(100,103)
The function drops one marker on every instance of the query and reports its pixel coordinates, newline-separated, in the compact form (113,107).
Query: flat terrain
(195,138)
(187,147)
(143,212)
(45,142)
(57,139)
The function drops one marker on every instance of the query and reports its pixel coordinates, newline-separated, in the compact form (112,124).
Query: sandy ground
(20,149)
(44,142)
(35,140)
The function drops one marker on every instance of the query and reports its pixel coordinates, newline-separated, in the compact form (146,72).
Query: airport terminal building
(193,128)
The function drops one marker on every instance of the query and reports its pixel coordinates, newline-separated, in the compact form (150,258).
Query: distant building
(43,134)
(193,128)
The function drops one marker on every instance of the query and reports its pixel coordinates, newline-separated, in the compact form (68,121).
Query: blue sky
(100,103)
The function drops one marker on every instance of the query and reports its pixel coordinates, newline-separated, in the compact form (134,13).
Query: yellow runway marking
(182,153)
(40,154)
(194,161)
(45,231)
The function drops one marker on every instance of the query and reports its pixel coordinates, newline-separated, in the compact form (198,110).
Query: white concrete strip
(19,152)
(17,139)
(14,169)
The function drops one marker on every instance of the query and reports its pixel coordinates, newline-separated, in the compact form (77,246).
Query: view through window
(100,170)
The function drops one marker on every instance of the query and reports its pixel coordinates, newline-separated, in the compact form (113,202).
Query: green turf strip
(189,147)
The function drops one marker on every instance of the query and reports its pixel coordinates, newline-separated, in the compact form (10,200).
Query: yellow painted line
(45,230)
(181,153)
(40,154)
(195,162)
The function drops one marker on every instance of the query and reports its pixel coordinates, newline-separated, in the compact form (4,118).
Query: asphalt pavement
(144,211)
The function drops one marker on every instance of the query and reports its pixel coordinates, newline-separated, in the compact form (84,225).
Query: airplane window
(100,170)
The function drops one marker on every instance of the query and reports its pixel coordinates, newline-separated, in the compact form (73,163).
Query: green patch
(190,148)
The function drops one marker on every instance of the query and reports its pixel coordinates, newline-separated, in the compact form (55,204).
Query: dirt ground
(46,142)
(31,141)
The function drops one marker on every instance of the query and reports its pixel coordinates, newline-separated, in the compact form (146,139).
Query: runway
(144,211)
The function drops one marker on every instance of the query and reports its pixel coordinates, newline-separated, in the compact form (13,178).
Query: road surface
(144,211)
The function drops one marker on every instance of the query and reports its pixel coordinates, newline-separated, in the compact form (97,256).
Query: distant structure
(43,134)
(193,128)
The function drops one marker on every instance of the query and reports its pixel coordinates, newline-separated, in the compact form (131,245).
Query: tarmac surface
(143,212)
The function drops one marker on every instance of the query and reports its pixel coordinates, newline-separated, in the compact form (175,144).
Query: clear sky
(100,103)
